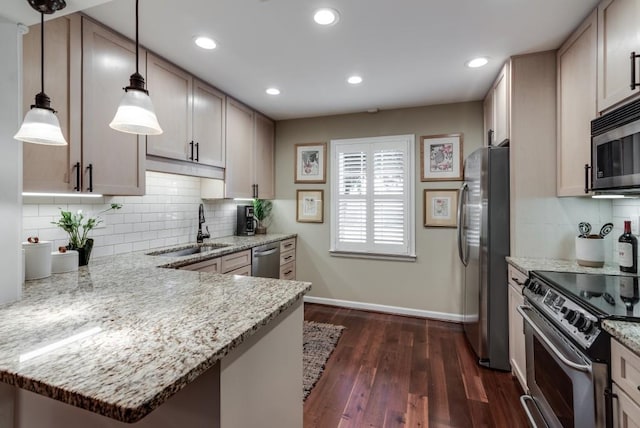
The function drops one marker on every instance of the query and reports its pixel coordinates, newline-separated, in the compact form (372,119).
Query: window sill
(372,256)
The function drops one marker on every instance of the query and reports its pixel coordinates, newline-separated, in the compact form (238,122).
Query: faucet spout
(201,236)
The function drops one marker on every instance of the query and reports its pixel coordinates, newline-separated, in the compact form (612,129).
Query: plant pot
(261,230)
(84,253)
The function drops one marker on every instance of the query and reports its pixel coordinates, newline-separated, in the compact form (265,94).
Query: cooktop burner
(607,296)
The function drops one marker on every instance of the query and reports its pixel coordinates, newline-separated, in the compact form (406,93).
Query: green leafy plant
(78,226)
(262,211)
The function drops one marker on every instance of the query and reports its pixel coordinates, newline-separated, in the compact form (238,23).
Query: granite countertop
(627,333)
(147,331)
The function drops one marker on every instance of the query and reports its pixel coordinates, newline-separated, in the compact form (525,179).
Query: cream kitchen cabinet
(211,266)
(576,106)
(236,262)
(288,259)
(190,112)
(497,109)
(618,37)
(250,152)
(51,168)
(113,162)
(625,373)
(517,357)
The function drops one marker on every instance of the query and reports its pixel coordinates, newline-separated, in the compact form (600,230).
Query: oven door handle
(581,367)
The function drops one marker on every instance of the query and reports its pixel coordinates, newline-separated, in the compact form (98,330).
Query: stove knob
(579,321)
(569,314)
(564,310)
(586,327)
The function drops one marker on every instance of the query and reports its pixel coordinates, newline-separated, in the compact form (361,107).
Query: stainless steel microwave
(615,150)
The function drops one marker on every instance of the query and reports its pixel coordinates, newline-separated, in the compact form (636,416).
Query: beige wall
(433,282)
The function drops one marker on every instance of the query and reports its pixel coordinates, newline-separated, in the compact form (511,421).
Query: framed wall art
(311,163)
(310,206)
(440,208)
(441,157)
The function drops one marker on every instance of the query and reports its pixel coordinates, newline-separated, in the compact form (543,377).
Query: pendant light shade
(135,114)
(40,124)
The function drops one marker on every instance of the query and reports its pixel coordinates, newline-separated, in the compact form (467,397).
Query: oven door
(561,380)
(616,158)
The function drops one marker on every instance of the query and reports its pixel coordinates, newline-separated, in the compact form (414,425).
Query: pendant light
(40,124)
(135,113)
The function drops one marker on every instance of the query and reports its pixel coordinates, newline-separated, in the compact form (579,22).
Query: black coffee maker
(246,223)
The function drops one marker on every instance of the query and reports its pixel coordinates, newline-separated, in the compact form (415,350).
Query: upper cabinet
(191,114)
(576,106)
(497,108)
(51,168)
(618,37)
(250,153)
(86,68)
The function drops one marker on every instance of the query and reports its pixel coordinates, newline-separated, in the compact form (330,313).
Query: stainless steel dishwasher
(265,260)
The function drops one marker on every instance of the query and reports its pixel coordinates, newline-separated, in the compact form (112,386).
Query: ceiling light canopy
(273,91)
(40,124)
(205,42)
(477,62)
(354,80)
(135,114)
(326,16)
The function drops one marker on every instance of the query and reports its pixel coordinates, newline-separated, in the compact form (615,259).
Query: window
(372,209)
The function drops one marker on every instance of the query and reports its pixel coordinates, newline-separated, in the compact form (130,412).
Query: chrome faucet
(201,236)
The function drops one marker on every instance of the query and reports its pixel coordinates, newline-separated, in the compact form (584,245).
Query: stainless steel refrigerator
(483,244)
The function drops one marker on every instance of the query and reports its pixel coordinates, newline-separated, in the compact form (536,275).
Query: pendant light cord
(137,49)
(41,52)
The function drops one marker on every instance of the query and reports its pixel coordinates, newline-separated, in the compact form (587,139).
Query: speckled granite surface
(154,330)
(627,333)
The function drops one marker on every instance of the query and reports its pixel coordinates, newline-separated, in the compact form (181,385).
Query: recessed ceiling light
(205,42)
(326,16)
(273,91)
(354,80)
(477,62)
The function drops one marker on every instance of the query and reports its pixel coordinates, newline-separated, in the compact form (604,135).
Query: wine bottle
(628,250)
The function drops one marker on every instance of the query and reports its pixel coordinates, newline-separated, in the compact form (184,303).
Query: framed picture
(441,157)
(440,208)
(310,206)
(311,163)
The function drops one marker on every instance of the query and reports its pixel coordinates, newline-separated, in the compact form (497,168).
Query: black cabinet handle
(197,152)
(514,279)
(191,156)
(633,57)
(587,169)
(90,168)
(490,137)
(77,167)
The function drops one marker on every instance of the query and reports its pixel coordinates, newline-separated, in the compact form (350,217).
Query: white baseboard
(397,310)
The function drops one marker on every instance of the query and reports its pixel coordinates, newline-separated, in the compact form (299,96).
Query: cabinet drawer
(287,257)
(234,261)
(287,245)
(516,277)
(288,271)
(627,412)
(625,369)
(244,270)
(212,265)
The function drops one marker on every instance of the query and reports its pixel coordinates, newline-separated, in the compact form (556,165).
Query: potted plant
(78,227)
(262,213)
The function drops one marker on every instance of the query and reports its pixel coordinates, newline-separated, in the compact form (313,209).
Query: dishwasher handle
(265,253)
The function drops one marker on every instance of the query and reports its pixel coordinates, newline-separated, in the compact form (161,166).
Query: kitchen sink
(187,250)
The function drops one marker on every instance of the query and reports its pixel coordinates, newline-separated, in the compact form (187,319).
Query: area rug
(320,340)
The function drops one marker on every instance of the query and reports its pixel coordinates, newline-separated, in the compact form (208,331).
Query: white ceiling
(409,52)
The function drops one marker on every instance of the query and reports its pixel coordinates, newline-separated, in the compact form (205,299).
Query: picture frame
(310,206)
(310,163)
(441,157)
(440,208)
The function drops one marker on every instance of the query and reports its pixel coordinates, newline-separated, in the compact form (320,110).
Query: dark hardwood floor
(394,371)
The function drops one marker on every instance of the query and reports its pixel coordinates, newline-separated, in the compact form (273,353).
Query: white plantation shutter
(372,193)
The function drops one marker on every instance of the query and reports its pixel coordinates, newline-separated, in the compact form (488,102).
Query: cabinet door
(114,159)
(209,124)
(170,89)
(617,38)
(626,411)
(265,157)
(239,173)
(501,106)
(51,168)
(517,353)
(576,106)
(488,119)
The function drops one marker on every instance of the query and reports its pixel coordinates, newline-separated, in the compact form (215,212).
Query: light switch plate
(635,222)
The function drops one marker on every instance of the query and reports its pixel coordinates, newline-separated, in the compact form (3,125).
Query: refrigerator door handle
(461,197)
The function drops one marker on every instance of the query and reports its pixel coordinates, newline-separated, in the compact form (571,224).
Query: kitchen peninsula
(124,341)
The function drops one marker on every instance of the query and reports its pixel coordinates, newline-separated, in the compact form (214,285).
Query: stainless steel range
(568,352)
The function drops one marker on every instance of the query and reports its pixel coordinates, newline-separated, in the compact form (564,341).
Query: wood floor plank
(395,371)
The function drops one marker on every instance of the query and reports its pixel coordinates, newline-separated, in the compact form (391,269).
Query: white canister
(37,260)
(64,262)
(590,251)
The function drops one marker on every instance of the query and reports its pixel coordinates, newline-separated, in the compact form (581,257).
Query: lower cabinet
(517,356)
(236,262)
(625,373)
(288,259)
(211,266)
